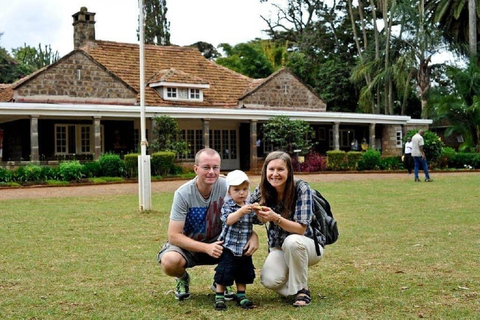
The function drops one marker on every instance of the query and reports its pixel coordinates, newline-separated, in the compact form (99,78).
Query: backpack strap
(314,219)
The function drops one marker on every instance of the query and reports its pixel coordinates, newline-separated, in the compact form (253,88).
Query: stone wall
(389,140)
(75,79)
(284,91)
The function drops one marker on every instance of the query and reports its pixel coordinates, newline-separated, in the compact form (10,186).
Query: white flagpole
(144,175)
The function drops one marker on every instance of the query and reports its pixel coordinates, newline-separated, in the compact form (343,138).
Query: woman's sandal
(303,298)
(245,303)
(220,304)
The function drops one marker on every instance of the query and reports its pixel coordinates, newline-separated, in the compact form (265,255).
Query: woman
(288,207)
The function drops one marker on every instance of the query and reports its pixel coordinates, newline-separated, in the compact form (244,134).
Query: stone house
(88,103)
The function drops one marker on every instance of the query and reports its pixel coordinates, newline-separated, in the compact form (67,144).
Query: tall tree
(207,50)
(31,59)
(457,20)
(459,104)
(249,59)
(157,27)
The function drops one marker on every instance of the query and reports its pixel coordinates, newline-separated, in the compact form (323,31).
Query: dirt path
(170,186)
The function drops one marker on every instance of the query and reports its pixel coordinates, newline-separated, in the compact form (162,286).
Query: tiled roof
(122,59)
(176,76)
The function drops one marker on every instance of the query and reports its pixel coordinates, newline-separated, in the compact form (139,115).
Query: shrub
(370,160)
(111,165)
(131,164)
(335,159)
(352,159)
(445,159)
(465,160)
(48,173)
(162,162)
(314,162)
(70,170)
(6,175)
(91,169)
(390,163)
(33,172)
(20,175)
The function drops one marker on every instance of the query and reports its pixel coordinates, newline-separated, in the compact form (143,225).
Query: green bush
(162,163)
(370,160)
(445,159)
(91,169)
(111,165)
(33,172)
(6,175)
(390,163)
(20,174)
(131,164)
(335,159)
(352,160)
(70,170)
(48,173)
(465,160)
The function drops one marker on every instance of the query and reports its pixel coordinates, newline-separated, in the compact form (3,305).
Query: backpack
(323,220)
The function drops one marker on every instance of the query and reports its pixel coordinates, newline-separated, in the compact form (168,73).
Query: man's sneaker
(428,180)
(182,290)
(229,294)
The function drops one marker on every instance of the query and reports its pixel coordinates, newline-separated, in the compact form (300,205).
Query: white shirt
(408,147)
(417,141)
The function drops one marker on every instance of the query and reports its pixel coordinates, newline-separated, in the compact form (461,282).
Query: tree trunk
(472,28)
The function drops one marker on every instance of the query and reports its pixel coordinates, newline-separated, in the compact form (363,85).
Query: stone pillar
(253,145)
(372,136)
(206,132)
(336,136)
(34,152)
(97,132)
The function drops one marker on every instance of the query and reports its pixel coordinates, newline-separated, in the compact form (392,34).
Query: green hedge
(162,163)
(131,164)
(335,159)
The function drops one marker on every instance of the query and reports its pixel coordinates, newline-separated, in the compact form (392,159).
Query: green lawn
(406,251)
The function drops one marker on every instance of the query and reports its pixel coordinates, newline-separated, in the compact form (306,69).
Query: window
(181,93)
(85,137)
(73,139)
(194,139)
(195,94)
(224,141)
(399,139)
(346,137)
(172,93)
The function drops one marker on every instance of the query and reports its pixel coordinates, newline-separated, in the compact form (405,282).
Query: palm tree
(457,20)
(460,104)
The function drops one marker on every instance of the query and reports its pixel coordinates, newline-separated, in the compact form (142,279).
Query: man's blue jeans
(419,161)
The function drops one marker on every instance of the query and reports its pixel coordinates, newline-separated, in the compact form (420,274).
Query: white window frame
(399,139)
(195,94)
(80,141)
(171,93)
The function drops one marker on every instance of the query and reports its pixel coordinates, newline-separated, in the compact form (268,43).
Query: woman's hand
(266,214)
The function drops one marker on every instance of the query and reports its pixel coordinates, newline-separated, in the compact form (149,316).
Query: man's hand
(252,245)
(215,249)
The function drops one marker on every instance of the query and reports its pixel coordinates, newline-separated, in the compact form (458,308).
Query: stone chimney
(83,28)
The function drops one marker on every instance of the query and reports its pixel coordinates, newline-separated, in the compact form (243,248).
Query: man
(195,224)
(418,155)
(408,161)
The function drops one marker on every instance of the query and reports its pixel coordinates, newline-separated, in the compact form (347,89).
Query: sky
(49,22)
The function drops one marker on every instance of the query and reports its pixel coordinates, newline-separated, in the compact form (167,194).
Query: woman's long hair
(269,195)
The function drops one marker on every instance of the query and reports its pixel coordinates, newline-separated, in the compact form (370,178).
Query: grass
(406,251)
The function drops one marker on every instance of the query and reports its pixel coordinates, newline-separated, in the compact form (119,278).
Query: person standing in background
(419,157)
(407,155)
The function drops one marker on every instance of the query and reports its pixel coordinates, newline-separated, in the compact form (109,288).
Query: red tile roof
(122,59)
